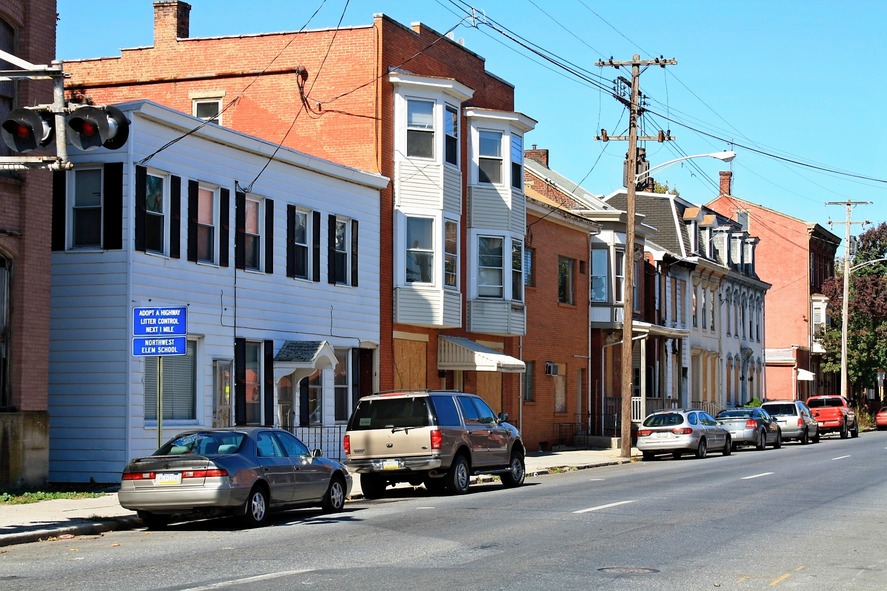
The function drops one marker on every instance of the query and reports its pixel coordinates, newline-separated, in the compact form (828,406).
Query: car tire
(154,520)
(728,447)
(701,449)
(372,486)
(816,437)
(855,432)
(845,432)
(255,510)
(778,443)
(648,455)
(805,437)
(677,454)
(334,499)
(459,476)
(517,471)
(762,441)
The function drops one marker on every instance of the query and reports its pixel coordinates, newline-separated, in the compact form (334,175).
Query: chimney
(540,156)
(726,176)
(171,21)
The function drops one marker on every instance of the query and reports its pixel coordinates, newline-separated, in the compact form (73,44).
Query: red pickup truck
(834,415)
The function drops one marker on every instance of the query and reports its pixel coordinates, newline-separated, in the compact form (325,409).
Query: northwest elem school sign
(159,331)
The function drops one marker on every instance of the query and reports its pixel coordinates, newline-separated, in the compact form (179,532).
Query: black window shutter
(304,415)
(355,378)
(224,226)
(239,381)
(59,209)
(175,220)
(268,382)
(112,206)
(290,240)
(141,204)
(315,247)
(193,202)
(354,253)
(239,229)
(269,236)
(331,249)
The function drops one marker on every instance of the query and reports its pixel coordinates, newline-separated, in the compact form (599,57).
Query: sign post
(157,332)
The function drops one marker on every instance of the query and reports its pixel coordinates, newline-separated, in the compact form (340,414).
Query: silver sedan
(243,471)
(679,431)
(751,426)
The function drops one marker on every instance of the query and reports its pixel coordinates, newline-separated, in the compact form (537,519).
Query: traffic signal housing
(25,130)
(87,128)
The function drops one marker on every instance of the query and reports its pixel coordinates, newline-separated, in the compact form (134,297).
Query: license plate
(168,478)
(390,465)
(661,435)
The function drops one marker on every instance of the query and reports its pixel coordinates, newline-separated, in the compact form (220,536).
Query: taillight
(138,476)
(645,432)
(346,443)
(751,424)
(436,439)
(682,431)
(208,473)
(800,422)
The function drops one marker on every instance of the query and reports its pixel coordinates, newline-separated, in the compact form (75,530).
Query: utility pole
(636,64)
(845,304)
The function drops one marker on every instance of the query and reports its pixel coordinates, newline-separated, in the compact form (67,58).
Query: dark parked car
(751,426)
(242,471)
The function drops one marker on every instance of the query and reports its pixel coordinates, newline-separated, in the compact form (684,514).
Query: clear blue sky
(789,81)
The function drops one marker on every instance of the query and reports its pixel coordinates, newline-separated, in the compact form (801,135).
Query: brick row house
(27,30)
(796,256)
(405,103)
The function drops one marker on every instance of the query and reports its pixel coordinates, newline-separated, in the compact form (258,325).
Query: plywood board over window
(409,364)
(489,387)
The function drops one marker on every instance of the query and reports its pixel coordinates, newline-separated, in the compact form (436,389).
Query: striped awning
(459,353)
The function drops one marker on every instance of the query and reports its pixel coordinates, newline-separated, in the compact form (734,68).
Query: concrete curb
(90,527)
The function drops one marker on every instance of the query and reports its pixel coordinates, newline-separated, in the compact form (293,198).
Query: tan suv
(431,437)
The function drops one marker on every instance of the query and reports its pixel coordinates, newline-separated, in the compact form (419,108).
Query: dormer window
(420,129)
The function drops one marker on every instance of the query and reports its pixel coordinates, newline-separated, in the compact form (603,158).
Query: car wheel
(728,447)
(334,499)
(778,443)
(255,510)
(153,520)
(459,476)
(855,431)
(762,440)
(805,437)
(816,437)
(516,471)
(677,454)
(701,449)
(648,455)
(845,433)
(372,486)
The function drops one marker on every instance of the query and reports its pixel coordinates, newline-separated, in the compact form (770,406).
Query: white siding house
(273,254)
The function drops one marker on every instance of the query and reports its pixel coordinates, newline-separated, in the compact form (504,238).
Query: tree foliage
(867,312)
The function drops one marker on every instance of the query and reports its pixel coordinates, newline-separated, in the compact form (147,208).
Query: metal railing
(326,437)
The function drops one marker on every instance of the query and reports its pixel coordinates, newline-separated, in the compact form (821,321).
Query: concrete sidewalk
(65,518)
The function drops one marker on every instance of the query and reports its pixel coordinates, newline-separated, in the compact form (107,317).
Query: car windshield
(391,413)
(203,443)
(664,420)
(781,409)
(734,414)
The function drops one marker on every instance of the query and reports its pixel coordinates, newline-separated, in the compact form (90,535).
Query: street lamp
(628,280)
(845,311)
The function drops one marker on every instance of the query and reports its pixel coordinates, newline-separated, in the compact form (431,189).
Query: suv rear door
(399,426)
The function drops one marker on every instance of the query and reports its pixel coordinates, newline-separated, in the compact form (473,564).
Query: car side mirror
(503,417)
(317,453)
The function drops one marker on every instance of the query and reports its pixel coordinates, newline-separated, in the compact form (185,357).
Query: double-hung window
(451,254)
(517,270)
(420,128)
(87,209)
(420,250)
(620,275)
(600,279)
(490,270)
(490,157)
(207,219)
(341,251)
(252,235)
(517,162)
(300,243)
(208,109)
(451,131)
(156,218)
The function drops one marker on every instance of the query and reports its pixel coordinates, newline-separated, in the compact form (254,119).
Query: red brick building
(795,257)
(406,102)
(27,30)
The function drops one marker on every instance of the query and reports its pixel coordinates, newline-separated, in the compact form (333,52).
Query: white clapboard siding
(489,208)
(419,184)
(96,392)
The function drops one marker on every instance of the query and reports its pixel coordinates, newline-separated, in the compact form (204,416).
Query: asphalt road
(803,517)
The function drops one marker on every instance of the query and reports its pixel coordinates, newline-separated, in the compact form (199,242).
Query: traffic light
(25,130)
(94,127)
(86,127)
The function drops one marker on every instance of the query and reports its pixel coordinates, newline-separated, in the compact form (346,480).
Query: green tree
(867,312)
